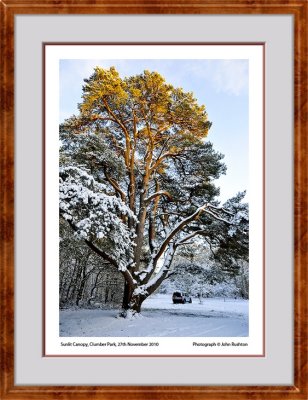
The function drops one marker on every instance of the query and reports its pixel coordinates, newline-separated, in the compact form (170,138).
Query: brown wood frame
(9,8)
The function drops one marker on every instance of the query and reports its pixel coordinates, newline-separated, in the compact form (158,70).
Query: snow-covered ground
(161,318)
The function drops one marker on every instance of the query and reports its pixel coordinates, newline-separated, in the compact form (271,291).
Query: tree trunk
(131,304)
(126,296)
(136,303)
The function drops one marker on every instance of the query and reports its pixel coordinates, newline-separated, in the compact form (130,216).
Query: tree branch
(161,159)
(124,129)
(127,275)
(161,193)
(96,249)
(182,241)
(154,283)
(221,208)
(115,185)
(181,225)
(217,217)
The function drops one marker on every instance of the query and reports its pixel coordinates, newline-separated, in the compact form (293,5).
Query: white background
(169,346)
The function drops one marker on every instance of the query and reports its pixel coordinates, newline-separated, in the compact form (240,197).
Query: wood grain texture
(8,9)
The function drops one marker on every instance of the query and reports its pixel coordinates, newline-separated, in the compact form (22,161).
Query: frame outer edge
(300,198)
(7,199)
(299,9)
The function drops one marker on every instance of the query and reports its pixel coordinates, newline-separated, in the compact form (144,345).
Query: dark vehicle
(182,298)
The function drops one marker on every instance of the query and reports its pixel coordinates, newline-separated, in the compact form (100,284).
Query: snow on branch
(96,216)
(188,237)
(153,283)
(235,218)
(206,208)
(177,229)
(221,209)
(213,214)
(160,193)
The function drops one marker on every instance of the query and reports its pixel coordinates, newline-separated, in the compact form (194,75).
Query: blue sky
(221,85)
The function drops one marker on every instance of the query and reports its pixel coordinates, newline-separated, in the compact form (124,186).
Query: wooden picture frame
(9,9)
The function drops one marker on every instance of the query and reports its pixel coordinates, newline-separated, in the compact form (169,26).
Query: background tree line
(86,282)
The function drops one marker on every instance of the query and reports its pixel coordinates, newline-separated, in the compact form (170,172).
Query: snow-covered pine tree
(137,180)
